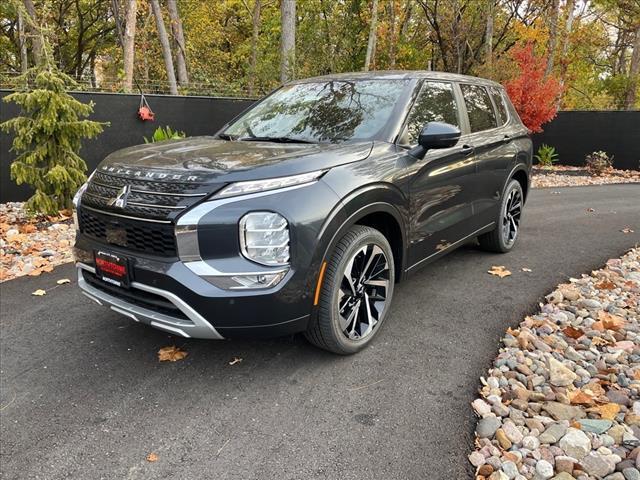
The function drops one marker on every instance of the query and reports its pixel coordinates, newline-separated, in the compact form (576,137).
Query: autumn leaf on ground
(171,354)
(525,269)
(610,321)
(626,230)
(499,271)
(62,281)
(235,360)
(578,397)
(573,332)
(599,341)
(27,228)
(39,293)
(152,457)
(605,285)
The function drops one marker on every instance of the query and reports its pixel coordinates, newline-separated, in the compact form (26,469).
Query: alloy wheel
(511,217)
(362,296)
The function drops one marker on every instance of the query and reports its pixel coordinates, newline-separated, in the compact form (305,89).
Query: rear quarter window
(479,107)
(501,108)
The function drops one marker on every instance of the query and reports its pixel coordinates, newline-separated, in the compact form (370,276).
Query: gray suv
(303,213)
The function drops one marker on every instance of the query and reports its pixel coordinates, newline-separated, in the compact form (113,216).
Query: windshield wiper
(274,139)
(226,136)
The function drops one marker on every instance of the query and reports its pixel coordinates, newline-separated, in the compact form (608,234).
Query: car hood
(211,160)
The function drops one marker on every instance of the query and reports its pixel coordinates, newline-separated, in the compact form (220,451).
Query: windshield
(330,111)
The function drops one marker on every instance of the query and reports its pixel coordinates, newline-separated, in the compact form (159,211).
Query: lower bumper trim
(194,326)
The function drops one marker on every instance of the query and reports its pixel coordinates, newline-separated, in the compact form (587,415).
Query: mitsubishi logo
(120,200)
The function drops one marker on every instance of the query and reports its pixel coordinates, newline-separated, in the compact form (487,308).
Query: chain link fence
(10,81)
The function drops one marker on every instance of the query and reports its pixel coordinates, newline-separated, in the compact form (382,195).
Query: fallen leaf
(171,354)
(499,270)
(626,230)
(599,341)
(605,285)
(27,228)
(39,293)
(578,397)
(235,360)
(591,210)
(525,269)
(610,321)
(608,411)
(62,281)
(573,332)
(152,457)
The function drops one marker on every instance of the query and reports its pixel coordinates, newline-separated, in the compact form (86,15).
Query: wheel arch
(379,206)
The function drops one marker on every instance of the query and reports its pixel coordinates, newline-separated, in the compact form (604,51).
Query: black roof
(399,74)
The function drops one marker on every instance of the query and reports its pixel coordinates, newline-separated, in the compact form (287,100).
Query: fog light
(264,238)
(264,280)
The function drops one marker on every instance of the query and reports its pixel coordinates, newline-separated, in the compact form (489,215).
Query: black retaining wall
(193,115)
(574,134)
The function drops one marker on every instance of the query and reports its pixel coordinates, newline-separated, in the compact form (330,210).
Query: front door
(442,183)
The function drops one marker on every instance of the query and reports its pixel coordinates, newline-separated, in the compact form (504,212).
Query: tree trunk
(634,72)
(488,39)
(392,40)
(166,47)
(553,36)
(373,30)
(288,40)
(564,64)
(128,47)
(253,62)
(36,39)
(178,36)
(22,41)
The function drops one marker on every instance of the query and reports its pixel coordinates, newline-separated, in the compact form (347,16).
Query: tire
(499,239)
(330,330)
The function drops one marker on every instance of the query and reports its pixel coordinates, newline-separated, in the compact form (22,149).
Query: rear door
(494,150)
(441,183)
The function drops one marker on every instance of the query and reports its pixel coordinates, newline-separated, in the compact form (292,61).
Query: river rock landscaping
(565,176)
(32,245)
(562,400)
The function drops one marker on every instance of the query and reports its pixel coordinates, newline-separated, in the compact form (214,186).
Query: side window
(479,108)
(435,103)
(501,108)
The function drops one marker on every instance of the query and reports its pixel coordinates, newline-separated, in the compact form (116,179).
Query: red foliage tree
(534,95)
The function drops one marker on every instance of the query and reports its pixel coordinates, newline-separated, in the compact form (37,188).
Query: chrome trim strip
(103,212)
(149,205)
(199,328)
(454,244)
(203,269)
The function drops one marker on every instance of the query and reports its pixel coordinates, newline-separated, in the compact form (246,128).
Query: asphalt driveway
(83,395)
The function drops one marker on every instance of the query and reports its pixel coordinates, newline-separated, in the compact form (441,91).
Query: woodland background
(248,47)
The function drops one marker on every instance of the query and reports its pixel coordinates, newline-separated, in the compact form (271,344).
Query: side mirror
(435,135)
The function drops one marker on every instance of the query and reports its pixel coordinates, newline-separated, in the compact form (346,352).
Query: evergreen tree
(48,136)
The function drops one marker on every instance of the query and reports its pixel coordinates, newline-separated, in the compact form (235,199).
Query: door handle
(506,138)
(466,149)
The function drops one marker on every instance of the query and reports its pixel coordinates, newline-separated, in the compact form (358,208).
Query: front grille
(143,299)
(135,235)
(147,199)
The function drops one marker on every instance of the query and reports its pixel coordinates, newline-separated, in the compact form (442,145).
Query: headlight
(264,238)
(253,186)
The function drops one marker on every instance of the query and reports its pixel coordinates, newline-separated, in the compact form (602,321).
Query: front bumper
(169,296)
(190,324)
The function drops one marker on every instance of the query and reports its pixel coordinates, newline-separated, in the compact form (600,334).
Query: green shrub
(48,137)
(599,162)
(162,134)
(546,155)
